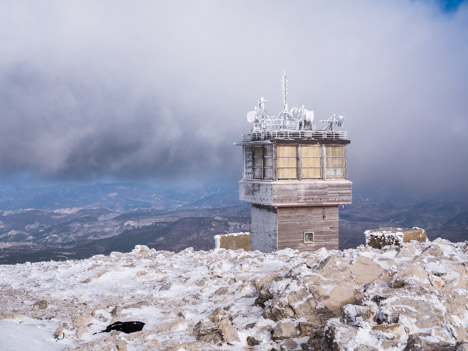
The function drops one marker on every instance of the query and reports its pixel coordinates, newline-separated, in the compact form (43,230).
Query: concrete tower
(295,177)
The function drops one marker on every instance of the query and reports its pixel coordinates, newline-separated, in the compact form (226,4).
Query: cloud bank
(159,90)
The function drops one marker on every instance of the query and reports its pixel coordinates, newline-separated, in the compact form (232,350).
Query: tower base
(306,228)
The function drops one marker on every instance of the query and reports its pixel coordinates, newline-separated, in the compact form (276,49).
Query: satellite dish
(294,112)
(308,116)
(251,115)
(340,121)
(260,114)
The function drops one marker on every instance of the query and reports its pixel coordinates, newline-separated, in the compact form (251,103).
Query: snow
(172,292)
(29,335)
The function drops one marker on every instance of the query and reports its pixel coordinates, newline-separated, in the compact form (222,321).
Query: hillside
(357,299)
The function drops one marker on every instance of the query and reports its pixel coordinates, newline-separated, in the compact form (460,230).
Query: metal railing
(296,135)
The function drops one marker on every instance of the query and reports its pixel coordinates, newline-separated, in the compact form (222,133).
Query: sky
(159,90)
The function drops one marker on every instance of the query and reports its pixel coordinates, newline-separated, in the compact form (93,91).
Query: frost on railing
(291,123)
(295,135)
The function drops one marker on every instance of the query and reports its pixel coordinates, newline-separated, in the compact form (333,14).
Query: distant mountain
(76,221)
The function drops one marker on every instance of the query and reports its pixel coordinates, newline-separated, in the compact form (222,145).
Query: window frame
(309,241)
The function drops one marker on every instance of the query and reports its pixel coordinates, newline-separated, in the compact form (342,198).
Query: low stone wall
(378,238)
(234,241)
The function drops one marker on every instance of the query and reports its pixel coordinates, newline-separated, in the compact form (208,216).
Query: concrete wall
(234,241)
(296,193)
(264,228)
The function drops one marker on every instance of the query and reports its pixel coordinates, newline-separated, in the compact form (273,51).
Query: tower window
(311,162)
(308,237)
(286,162)
(261,157)
(334,162)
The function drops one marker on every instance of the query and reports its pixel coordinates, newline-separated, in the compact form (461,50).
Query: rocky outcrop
(412,297)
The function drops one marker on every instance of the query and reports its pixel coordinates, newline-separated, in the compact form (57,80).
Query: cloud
(153,90)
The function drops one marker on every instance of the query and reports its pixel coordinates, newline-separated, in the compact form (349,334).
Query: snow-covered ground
(237,300)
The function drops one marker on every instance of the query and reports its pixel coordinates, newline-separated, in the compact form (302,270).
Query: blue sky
(159,90)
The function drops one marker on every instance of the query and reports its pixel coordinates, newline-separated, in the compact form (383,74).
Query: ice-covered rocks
(397,298)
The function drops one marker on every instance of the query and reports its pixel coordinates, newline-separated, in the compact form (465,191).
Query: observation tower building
(295,176)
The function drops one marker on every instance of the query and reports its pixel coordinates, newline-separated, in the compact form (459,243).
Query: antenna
(334,119)
(284,82)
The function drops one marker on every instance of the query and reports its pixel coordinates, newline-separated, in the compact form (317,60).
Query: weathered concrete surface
(264,228)
(378,238)
(296,193)
(235,241)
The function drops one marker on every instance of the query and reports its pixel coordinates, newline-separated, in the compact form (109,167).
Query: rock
(288,345)
(58,332)
(10,315)
(284,330)
(434,250)
(40,304)
(251,341)
(278,310)
(364,270)
(307,329)
(266,281)
(221,291)
(122,345)
(379,238)
(81,321)
(228,331)
(407,251)
(356,315)
(395,332)
(165,287)
(423,342)
(207,332)
(116,311)
(305,309)
(177,326)
(338,297)
(217,315)
(422,312)
(338,335)
(263,296)
(138,304)
(81,330)
(365,348)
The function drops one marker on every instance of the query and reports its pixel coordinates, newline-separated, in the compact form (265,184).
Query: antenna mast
(284,82)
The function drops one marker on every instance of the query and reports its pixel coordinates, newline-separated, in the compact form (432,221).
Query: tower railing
(296,135)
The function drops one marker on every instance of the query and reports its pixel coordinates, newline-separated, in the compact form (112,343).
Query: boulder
(284,330)
(122,345)
(364,270)
(10,315)
(228,331)
(40,304)
(379,238)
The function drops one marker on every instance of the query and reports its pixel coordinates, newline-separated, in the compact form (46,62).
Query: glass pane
(268,173)
(286,173)
(335,172)
(311,162)
(258,173)
(334,151)
(286,162)
(335,162)
(308,237)
(286,151)
(268,161)
(311,173)
(311,151)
